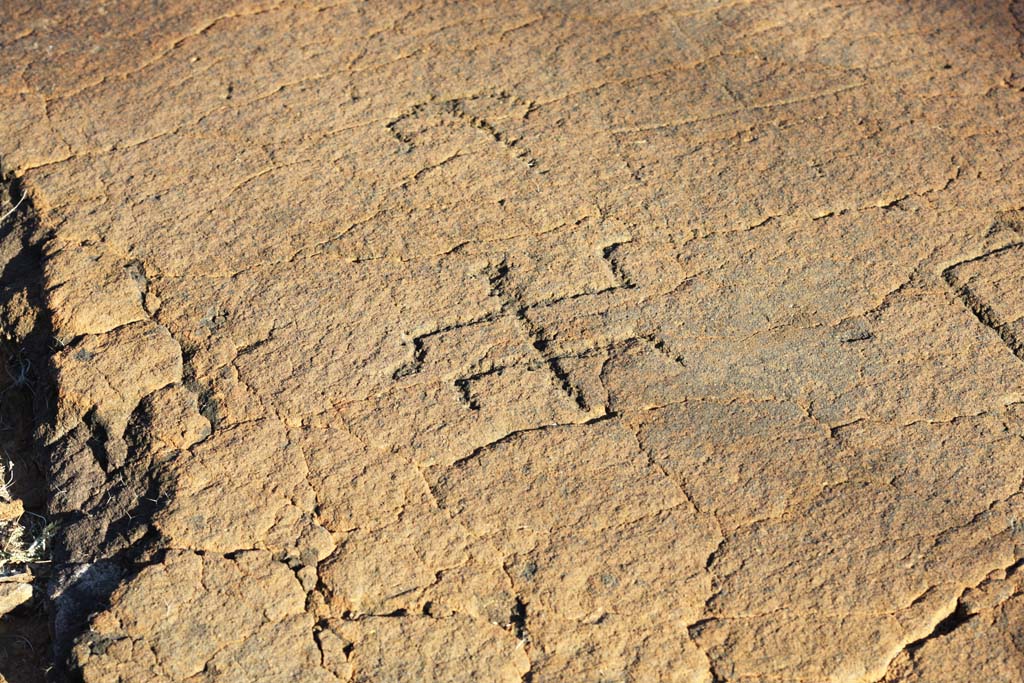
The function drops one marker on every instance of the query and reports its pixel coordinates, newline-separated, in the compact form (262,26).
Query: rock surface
(13,595)
(527,341)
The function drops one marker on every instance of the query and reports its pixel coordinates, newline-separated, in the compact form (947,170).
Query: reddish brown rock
(550,341)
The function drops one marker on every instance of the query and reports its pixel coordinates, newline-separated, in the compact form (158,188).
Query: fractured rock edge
(27,397)
(93,438)
(120,406)
(114,365)
(94,362)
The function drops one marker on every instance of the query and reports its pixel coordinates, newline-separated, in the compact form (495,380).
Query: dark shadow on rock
(26,402)
(109,528)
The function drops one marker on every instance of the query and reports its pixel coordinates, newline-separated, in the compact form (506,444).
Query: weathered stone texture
(530,340)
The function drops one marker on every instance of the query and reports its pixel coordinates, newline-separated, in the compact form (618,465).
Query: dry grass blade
(25,538)
(12,209)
